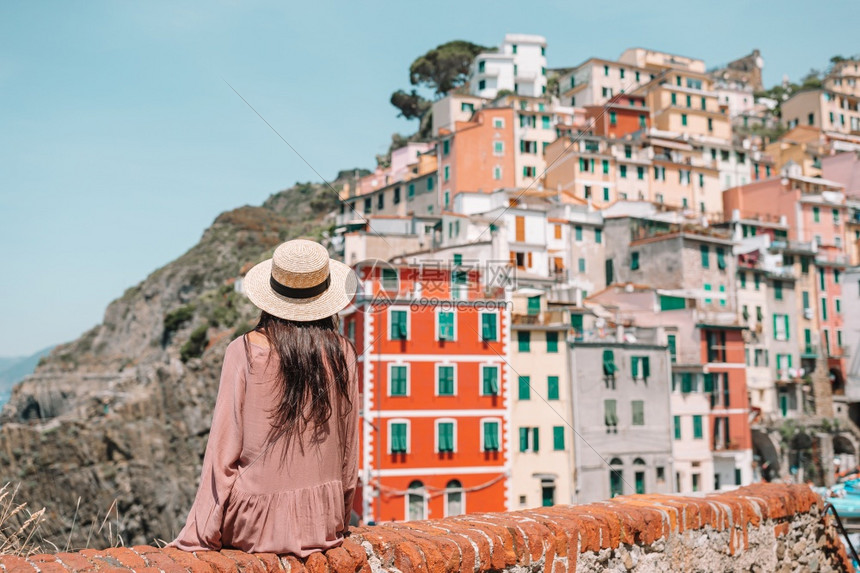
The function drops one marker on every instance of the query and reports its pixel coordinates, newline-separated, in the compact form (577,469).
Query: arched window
(639,474)
(416,506)
(455,498)
(616,478)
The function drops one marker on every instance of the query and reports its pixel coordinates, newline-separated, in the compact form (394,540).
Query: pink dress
(259,497)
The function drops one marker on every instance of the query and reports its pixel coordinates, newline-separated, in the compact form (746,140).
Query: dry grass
(18,525)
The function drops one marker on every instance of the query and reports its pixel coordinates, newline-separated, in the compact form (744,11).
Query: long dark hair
(312,366)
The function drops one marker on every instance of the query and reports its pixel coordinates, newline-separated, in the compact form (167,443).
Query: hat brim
(340,292)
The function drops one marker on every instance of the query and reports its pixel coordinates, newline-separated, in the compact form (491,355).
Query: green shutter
(704,252)
(398,438)
(446,326)
(524,388)
(598,236)
(709,382)
(787,333)
(398,325)
(634,366)
(491,436)
(721,258)
(552,341)
(673,350)
(398,380)
(672,303)
(458,259)
(524,340)
(578,233)
(446,381)
(558,438)
(697,427)
(609,367)
(552,388)
(490,381)
(634,261)
(638,407)
(576,323)
(524,439)
(535,439)
(686,382)
(677,422)
(646,367)
(534,305)
(446,437)
(488,327)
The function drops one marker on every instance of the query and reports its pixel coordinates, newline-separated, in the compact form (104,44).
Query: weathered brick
(15,564)
(409,559)
(75,561)
(126,557)
(220,563)
(187,560)
(356,551)
(270,562)
(244,561)
(292,565)
(53,567)
(317,563)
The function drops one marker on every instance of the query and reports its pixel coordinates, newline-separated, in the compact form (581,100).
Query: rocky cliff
(109,432)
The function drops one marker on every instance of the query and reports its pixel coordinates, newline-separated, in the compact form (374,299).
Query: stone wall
(764,527)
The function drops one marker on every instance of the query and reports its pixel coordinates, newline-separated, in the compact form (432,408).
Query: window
(605,165)
(454,498)
(710,124)
(683,119)
(489,327)
(613,118)
(610,416)
(757,280)
(529,171)
(558,438)
(835,216)
(551,341)
(821,282)
(545,122)
(534,305)
(399,325)
(674,97)
(445,380)
(673,348)
(606,71)
(622,171)
(577,233)
(552,390)
(698,434)
(445,326)
(640,367)
(639,477)
(467,107)
(445,440)
(398,437)
(689,101)
(398,382)
(634,261)
(677,425)
(777,290)
(616,480)
(606,193)
(497,173)
(643,120)
(837,305)
(490,429)
(498,147)
(529,439)
(598,236)
(446,146)
(499,122)
(429,183)
(524,341)
(587,191)
(581,264)
(816,214)
(482,84)
(524,389)
(708,289)
(823,308)
(721,259)
(489,380)
(446,173)
(743,277)
(638,407)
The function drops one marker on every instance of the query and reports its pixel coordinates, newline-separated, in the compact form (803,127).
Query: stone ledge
(760,526)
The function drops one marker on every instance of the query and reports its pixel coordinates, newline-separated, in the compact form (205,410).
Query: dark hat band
(306,292)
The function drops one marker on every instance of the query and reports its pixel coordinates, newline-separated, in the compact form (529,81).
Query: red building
(620,116)
(722,350)
(434,388)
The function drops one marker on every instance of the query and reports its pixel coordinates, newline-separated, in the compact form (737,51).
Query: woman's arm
(220,464)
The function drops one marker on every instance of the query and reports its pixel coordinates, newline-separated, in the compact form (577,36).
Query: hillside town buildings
(604,279)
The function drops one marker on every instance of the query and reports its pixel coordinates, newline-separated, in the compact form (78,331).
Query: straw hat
(300,283)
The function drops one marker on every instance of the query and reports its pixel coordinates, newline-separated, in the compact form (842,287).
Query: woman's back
(270,492)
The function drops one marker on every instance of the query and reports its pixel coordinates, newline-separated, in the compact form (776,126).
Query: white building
(519,67)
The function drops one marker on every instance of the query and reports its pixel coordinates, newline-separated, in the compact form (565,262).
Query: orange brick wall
(759,525)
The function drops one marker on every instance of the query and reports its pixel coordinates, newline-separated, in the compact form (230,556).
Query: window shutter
(558,437)
(638,407)
(491,436)
(634,366)
(524,388)
(524,439)
(491,382)
(446,437)
(488,327)
(609,367)
(646,367)
(535,439)
(552,341)
(552,388)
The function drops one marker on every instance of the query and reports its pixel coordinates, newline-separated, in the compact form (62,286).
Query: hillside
(12,370)
(118,418)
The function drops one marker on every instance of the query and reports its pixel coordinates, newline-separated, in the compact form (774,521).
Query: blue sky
(120,143)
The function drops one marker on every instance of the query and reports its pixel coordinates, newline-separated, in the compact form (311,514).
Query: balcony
(547,317)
